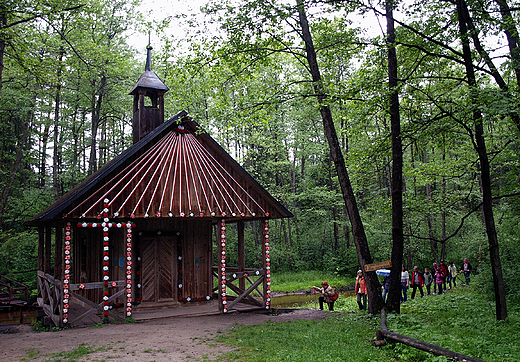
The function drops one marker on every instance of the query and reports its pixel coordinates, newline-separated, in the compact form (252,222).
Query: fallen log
(423,346)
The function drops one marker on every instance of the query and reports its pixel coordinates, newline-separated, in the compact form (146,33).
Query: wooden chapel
(139,233)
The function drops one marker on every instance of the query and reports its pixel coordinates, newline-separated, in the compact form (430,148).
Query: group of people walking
(443,277)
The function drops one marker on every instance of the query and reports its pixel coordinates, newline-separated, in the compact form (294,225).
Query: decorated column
(129,269)
(223,295)
(66,278)
(267,264)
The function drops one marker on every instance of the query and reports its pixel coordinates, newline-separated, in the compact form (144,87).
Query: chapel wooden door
(158,268)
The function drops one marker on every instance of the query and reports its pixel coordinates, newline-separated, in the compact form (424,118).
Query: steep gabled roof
(175,171)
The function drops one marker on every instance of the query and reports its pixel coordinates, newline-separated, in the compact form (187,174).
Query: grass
(461,320)
(342,337)
(294,281)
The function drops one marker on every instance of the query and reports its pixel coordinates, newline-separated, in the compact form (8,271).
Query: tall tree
(360,239)
(485,173)
(394,295)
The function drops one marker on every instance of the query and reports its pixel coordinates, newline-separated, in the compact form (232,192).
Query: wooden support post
(41,247)
(58,253)
(48,249)
(219,269)
(241,254)
(264,261)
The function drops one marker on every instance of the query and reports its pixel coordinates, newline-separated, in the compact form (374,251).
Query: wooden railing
(50,296)
(13,292)
(244,295)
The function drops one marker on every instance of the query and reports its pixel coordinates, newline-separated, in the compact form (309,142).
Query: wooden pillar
(219,271)
(161,107)
(41,247)
(48,249)
(241,254)
(264,263)
(58,253)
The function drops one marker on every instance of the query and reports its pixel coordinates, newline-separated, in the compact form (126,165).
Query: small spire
(149,48)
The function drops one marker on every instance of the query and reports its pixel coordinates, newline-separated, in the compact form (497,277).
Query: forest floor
(168,339)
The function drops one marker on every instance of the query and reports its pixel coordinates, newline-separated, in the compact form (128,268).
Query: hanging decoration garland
(66,279)
(267,264)
(223,265)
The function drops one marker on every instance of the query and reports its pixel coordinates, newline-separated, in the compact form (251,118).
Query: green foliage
(19,257)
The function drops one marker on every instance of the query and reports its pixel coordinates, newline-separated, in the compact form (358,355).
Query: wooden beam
(41,247)
(84,302)
(58,253)
(241,293)
(423,346)
(48,248)
(240,297)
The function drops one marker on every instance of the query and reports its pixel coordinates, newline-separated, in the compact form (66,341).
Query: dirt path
(169,339)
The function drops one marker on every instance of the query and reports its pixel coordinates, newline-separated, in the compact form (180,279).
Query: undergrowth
(461,320)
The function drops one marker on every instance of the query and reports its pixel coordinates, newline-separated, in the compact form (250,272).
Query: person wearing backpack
(361,290)
(329,295)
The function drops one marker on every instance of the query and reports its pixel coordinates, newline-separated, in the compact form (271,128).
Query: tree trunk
(57,102)
(373,285)
(8,186)
(496,266)
(433,242)
(96,111)
(3,25)
(394,290)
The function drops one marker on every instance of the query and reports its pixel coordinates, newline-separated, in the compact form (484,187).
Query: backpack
(336,295)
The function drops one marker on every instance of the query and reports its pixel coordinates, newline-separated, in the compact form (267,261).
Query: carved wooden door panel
(166,273)
(158,269)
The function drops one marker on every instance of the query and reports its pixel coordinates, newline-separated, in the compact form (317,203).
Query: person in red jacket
(361,290)
(445,270)
(417,281)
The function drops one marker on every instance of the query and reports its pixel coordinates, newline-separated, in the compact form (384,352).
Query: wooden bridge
(13,293)
(14,300)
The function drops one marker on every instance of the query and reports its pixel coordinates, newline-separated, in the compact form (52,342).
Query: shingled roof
(177,170)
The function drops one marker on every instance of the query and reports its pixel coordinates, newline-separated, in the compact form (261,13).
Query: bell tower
(148,116)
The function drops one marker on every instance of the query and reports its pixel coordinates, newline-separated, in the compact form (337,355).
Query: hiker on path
(445,270)
(466,269)
(428,279)
(439,278)
(453,274)
(361,290)
(417,281)
(405,284)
